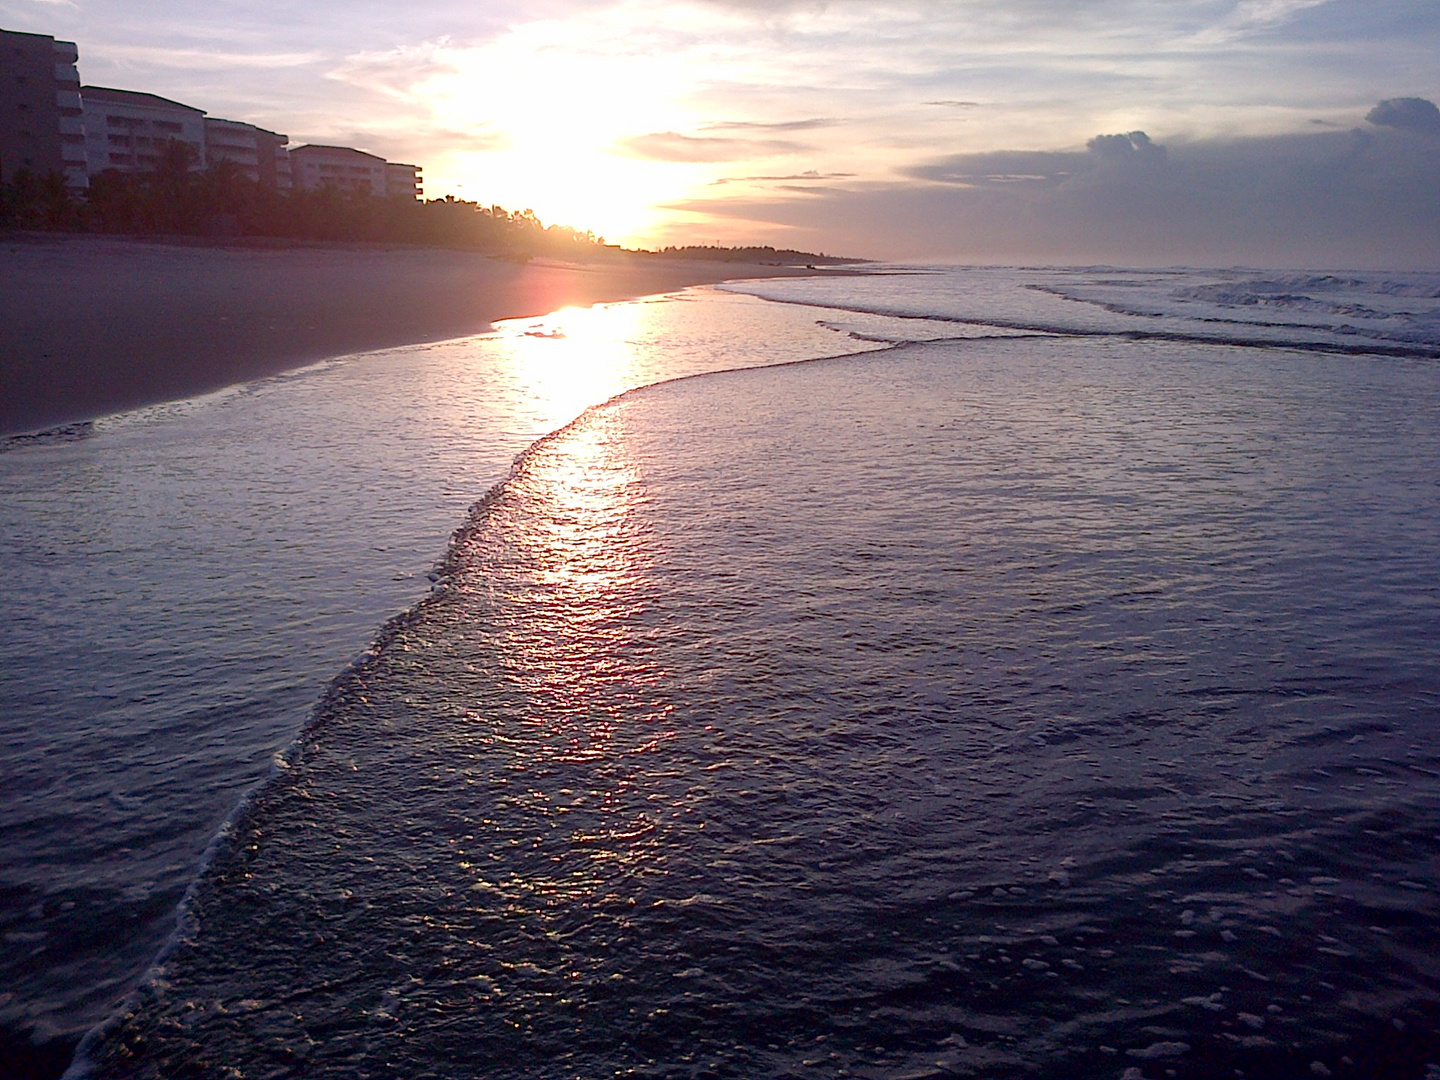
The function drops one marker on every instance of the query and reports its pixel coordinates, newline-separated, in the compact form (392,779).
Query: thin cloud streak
(205,59)
(780,125)
(673,146)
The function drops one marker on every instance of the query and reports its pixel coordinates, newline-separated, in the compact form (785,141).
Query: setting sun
(553,115)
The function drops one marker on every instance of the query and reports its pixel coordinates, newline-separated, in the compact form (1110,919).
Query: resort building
(260,155)
(317,166)
(49,123)
(41,125)
(128,130)
(403,181)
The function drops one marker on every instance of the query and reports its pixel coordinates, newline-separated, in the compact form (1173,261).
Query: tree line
(761,255)
(174,200)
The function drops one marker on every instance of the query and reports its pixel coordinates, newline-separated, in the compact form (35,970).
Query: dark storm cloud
(1408,114)
(1319,198)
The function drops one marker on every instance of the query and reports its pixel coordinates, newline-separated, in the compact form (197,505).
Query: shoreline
(93,325)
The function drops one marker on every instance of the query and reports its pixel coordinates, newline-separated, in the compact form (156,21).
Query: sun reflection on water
(575,357)
(574,563)
(566,566)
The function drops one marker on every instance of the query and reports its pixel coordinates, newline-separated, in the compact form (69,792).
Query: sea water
(180,583)
(1050,693)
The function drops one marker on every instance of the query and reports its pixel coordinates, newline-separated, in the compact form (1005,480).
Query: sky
(1139,131)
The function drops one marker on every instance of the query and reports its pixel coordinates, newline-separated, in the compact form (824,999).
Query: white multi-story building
(128,130)
(317,166)
(260,155)
(41,125)
(403,181)
(50,123)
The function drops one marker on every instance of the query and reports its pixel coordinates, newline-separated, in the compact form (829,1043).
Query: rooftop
(217,121)
(337,149)
(134,97)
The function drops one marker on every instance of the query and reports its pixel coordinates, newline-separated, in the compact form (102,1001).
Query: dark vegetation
(174,200)
(762,255)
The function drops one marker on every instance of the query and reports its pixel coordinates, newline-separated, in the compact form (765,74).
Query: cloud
(1002,166)
(1260,12)
(1407,114)
(1321,199)
(1250,17)
(399,72)
(672,146)
(1134,146)
(783,125)
(206,59)
(809,174)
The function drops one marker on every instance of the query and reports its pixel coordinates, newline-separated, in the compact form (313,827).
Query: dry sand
(93,325)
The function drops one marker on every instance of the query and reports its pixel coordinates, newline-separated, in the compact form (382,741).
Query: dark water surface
(1051,706)
(180,584)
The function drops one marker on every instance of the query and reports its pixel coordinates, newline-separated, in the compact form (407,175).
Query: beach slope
(92,325)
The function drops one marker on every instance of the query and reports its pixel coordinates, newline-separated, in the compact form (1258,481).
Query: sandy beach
(92,325)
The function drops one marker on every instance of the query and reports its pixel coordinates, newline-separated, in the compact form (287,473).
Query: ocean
(939,672)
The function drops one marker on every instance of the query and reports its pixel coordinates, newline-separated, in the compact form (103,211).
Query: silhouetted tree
(38,202)
(174,198)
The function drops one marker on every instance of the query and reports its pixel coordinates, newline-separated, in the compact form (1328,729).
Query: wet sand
(92,325)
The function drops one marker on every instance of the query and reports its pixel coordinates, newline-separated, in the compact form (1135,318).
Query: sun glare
(572,358)
(560,113)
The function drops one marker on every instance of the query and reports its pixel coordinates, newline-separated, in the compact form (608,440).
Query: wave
(1382,315)
(1419,286)
(1416,351)
(340,693)
(445,572)
(65,433)
(926,808)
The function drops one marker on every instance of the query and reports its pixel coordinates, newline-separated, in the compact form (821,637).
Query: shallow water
(1008,707)
(180,584)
